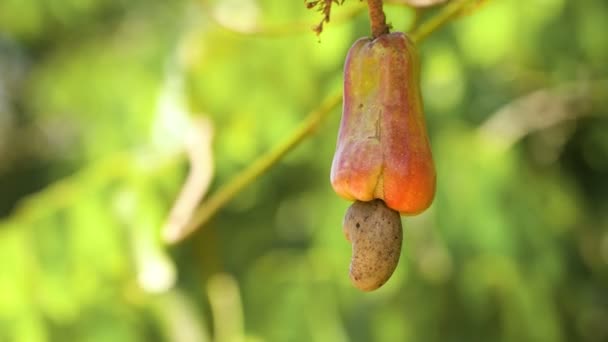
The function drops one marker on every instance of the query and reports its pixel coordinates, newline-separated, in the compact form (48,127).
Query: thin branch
(219,199)
(226,308)
(416,20)
(417,3)
(197,142)
(542,109)
(449,12)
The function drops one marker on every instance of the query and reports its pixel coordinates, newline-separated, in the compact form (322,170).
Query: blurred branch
(416,3)
(227,192)
(208,208)
(542,109)
(416,19)
(179,318)
(449,12)
(226,308)
(198,147)
(63,193)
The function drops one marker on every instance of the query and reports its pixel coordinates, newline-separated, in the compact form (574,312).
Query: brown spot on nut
(376,235)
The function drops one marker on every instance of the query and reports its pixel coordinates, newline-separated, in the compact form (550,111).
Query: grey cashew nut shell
(376,234)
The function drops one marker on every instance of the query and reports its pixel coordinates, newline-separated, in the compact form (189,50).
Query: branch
(258,168)
(542,109)
(449,12)
(417,3)
(197,141)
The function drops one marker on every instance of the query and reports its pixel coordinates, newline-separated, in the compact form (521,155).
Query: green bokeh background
(95,97)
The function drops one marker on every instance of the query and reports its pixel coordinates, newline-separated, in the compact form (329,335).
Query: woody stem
(377,18)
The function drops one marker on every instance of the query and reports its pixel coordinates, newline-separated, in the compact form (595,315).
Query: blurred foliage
(95,97)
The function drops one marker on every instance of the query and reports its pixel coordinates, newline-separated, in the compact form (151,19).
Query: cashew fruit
(383,150)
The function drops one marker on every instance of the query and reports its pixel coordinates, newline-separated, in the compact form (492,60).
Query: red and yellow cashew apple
(383,150)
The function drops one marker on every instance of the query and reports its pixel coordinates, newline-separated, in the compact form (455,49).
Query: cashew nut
(376,234)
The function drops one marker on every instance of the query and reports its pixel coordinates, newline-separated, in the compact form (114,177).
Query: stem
(258,168)
(377,18)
